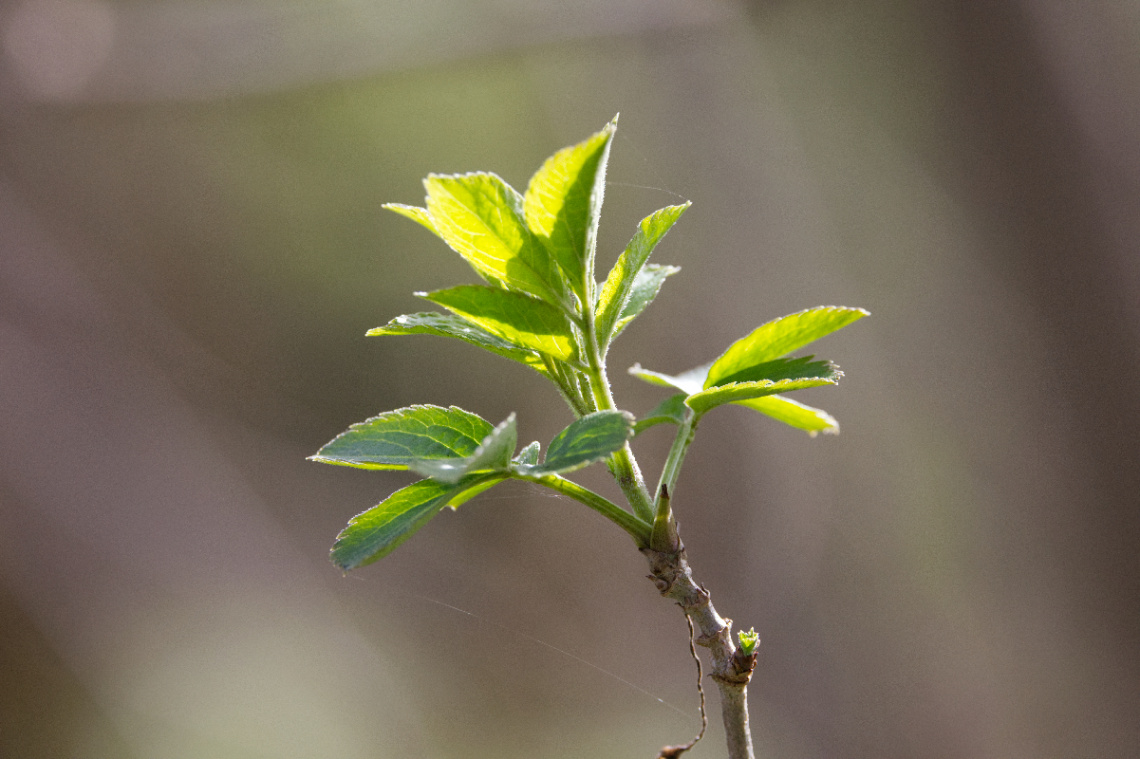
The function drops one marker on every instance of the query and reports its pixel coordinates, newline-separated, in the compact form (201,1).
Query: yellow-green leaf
(780,337)
(516,318)
(563,202)
(480,216)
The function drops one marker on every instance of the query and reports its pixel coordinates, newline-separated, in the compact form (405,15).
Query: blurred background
(191,249)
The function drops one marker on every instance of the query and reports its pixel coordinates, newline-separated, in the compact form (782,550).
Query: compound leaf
(563,202)
(778,338)
(396,439)
(480,216)
(516,318)
(376,533)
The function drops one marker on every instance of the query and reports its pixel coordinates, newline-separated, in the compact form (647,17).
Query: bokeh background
(191,249)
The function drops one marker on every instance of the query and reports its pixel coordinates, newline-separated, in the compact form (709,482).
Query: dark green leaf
(618,285)
(394,439)
(672,410)
(588,439)
(450,325)
(780,337)
(375,533)
(480,216)
(493,454)
(780,369)
(518,319)
(563,202)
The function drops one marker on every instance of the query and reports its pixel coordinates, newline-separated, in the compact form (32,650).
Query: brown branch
(732,669)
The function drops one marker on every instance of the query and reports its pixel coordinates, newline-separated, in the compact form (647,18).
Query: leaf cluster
(539,304)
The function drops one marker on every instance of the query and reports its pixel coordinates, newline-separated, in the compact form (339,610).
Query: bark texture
(731,669)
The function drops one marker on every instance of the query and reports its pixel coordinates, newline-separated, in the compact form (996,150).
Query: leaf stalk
(671,471)
(637,529)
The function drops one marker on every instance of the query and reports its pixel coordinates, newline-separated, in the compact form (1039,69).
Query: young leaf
(528,456)
(394,439)
(795,414)
(645,288)
(758,396)
(672,410)
(780,337)
(563,202)
(480,216)
(588,439)
(519,319)
(619,283)
(415,213)
(493,454)
(375,533)
(450,325)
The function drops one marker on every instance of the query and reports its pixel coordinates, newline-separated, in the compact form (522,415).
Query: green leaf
(588,439)
(781,369)
(564,200)
(394,439)
(795,414)
(672,410)
(493,454)
(450,325)
(518,319)
(780,337)
(480,216)
(755,395)
(415,213)
(376,533)
(783,409)
(621,280)
(645,288)
(741,391)
(467,491)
